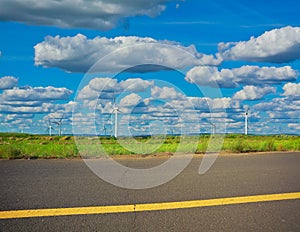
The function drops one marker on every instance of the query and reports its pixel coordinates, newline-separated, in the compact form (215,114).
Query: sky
(168,67)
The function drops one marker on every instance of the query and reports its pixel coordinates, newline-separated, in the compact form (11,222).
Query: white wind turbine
(49,127)
(106,124)
(21,128)
(59,123)
(104,129)
(116,110)
(246,120)
(213,128)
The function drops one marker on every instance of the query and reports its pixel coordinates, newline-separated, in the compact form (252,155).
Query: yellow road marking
(146,207)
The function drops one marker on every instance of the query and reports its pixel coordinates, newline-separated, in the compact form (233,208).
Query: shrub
(238,146)
(270,146)
(15,153)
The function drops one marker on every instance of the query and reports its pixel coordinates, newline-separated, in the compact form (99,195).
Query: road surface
(60,184)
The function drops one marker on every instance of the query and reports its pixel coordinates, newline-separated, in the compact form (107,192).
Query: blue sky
(223,57)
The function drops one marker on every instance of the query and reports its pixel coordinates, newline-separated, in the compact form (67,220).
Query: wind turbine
(246,120)
(213,128)
(50,128)
(116,110)
(104,129)
(21,129)
(171,131)
(59,123)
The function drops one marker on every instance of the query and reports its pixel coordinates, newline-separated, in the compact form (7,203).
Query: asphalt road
(38,184)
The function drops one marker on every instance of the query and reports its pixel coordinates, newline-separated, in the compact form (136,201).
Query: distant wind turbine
(104,129)
(246,120)
(116,110)
(49,128)
(59,124)
(21,129)
(213,128)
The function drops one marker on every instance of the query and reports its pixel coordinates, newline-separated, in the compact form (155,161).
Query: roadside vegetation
(26,146)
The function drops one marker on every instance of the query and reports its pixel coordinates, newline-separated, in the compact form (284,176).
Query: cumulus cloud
(13,117)
(4,101)
(285,105)
(130,100)
(95,14)
(276,46)
(104,84)
(295,126)
(79,54)
(33,100)
(292,90)
(285,115)
(135,85)
(107,88)
(43,108)
(8,82)
(210,76)
(231,78)
(166,93)
(214,104)
(250,92)
(49,93)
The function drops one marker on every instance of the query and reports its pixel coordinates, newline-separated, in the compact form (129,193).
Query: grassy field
(17,146)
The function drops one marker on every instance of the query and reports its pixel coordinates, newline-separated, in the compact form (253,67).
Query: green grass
(13,146)
(18,146)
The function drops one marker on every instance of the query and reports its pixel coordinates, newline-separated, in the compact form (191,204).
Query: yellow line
(146,207)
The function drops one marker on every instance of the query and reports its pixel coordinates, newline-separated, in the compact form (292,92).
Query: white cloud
(295,126)
(264,75)
(12,117)
(284,115)
(130,100)
(8,82)
(4,101)
(292,90)
(250,92)
(104,84)
(277,46)
(87,93)
(108,88)
(231,78)
(65,108)
(44,108)
(36,94)
(210,76)
(95,14)
(135,85)
(214,104)
(20,105)
(79,54)
(166,93)
(278,104)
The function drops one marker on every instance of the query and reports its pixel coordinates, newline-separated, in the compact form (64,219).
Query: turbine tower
(246,121)
(104,129)
(50,128)
(116,110)
(59,123)
(213,128)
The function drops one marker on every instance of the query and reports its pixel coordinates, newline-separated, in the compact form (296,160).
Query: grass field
(17,146)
